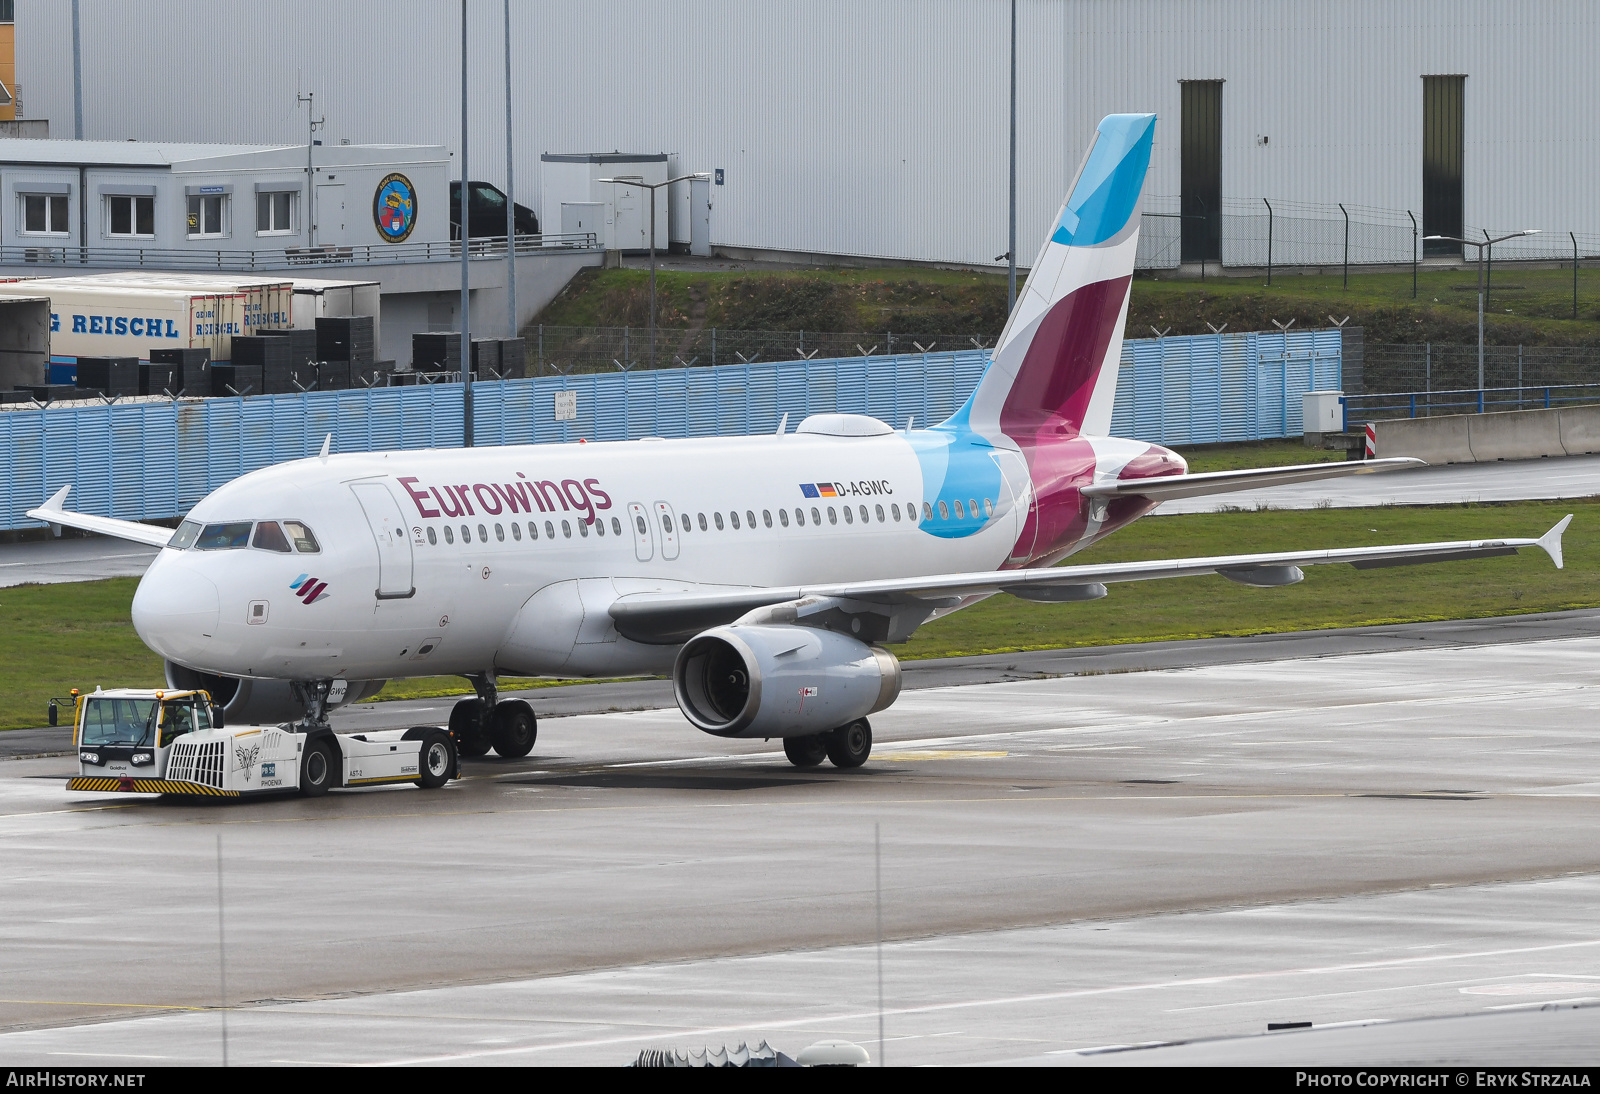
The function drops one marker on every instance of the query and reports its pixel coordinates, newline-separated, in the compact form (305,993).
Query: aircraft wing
(52,513)
(1169,487)
(674,617)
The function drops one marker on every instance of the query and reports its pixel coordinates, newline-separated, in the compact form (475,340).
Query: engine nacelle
(780,681)
(258,702)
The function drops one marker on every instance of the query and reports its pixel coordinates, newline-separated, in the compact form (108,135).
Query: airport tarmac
(1067,864)
(95,557)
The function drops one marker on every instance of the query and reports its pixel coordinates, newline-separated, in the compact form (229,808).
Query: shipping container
(114,321)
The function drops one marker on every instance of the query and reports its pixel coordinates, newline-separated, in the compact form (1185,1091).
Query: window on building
(130,216)
(208,215)
(275,212)
(45,214)
(8,11)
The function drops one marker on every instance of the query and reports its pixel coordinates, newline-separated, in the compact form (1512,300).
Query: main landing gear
(848,746)
(508,726)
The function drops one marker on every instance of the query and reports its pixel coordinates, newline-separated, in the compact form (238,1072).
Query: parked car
(487,210)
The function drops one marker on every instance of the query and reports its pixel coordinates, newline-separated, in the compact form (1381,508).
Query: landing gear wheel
(436,761)
(514,728)
(316,770)
(849,746)
(466,726)
(806,751)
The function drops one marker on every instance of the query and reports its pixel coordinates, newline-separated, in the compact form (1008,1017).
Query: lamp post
(1481,244)
(634,180)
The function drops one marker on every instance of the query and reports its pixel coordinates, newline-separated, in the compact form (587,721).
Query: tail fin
(1054,370)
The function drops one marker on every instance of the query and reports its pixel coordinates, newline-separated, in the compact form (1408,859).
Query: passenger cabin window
(766,518)
(449,536)
(516,532)
(944,511)
(130,216)
(703,526)
(750,519)
(833,518)
(466,534)
(566,529)
(988,507)
(816,517)
(927,510)
(224,537)
(301,537)
(684,520)
(208,215)
(499,533)
(957,503)
(879,510)
(549,530)
(583,529)
(433,538)
(45,215)
(270,537)
(483,534)
(783,518)
(733,518)
(616,526)
(718,518)
(533,530)
(849,517)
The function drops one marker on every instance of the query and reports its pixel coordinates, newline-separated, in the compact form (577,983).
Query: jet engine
(780,680)
(257,702)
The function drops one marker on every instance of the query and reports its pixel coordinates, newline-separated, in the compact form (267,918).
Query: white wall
(870,127)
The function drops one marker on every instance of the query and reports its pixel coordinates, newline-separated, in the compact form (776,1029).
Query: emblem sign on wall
(394,208)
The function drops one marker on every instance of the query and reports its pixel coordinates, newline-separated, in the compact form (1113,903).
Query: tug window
(718,518)
(433,537)
(269,537)
(766,518)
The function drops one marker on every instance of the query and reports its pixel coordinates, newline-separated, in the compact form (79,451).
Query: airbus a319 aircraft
(765,573)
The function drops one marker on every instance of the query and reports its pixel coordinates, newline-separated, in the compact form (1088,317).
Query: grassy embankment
(1528,307)
(61,636)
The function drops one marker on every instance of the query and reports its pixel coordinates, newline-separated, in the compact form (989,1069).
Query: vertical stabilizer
(1054,371)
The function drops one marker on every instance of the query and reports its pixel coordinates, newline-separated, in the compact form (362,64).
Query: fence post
(541,349)
(1268,204)
(1413,253)
(713,347)
(1574,274)
(1346,244)
(1519,375)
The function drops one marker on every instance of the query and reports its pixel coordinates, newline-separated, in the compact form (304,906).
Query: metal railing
(1426,404)
(1440,366)
(46,257)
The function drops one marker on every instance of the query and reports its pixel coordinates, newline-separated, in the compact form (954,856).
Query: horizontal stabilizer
(1171,487)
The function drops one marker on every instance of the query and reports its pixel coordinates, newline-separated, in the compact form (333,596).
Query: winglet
(327,446)
(58,499)
(784,424)
(1550,542)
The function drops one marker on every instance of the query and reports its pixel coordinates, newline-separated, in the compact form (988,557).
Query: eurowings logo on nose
(309,589)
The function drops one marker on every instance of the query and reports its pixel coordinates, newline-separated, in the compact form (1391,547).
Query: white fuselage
(436,583)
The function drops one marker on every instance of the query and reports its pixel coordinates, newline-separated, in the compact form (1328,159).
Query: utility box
(575,179)
(1324,415)
(578,217)
(24,342)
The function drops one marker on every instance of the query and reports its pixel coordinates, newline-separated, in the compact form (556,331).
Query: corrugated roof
(144,153)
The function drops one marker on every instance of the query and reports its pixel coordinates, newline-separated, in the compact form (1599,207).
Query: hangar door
(1443,134)
(1201,170)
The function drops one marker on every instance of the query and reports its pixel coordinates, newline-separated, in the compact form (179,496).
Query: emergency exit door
(389,533)
(700,216)
(330,212)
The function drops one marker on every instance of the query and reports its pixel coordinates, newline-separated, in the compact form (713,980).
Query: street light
(1485,242)
(634,180)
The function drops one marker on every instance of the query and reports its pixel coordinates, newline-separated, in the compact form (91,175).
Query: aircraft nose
(175,611)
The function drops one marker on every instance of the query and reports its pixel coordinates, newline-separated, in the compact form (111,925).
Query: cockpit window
(184,537)
(304,541)
(269,537)
(222,537)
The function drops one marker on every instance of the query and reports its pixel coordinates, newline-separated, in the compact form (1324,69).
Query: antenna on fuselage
(327,446)
(909,419)
(784,424)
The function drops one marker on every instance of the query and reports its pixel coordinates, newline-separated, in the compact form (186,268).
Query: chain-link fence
(1440,366)
(1268,233)
(556,350)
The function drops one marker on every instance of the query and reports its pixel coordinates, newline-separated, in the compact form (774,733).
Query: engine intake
(780,681)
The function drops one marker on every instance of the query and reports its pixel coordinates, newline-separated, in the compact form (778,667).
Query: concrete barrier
(1437,440)
(1580,429)
(1482,438)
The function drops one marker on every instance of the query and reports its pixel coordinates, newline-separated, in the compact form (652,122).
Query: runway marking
(904,757)
(1546,1003)
(110,1055)
(1016,1000)
(130,1006)
(1528,988)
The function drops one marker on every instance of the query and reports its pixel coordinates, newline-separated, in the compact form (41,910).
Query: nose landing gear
(508,726)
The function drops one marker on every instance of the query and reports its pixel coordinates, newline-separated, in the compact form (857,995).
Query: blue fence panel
(151,460)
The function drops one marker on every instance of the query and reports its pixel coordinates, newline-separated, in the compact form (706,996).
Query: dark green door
(1201,200)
